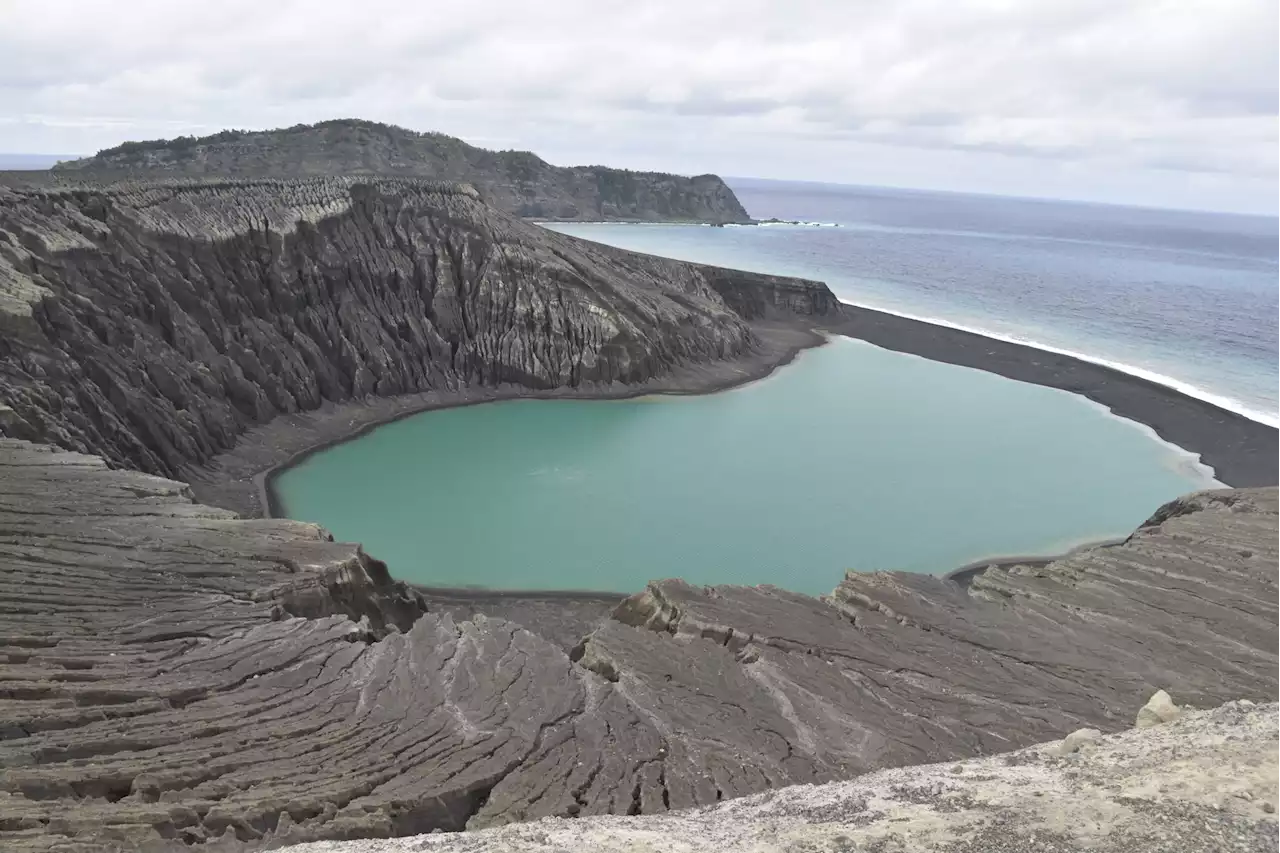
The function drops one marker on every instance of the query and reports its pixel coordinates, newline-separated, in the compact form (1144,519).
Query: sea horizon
(1128,205)
(1196,315)
(33,161)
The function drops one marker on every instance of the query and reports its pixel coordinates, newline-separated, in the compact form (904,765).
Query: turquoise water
(853,457)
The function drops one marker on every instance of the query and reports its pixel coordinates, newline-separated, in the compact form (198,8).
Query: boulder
(1077,740)
(1160,708)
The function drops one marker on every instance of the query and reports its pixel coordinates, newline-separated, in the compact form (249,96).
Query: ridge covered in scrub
(518,182)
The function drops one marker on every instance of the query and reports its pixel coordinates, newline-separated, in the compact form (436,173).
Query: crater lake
(852,457)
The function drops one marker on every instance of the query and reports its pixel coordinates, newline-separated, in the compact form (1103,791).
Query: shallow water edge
(242,479)
(836,462)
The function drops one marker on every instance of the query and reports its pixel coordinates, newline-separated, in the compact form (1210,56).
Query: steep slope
(1204,783)
(174,675)
(518,182)
(153,322)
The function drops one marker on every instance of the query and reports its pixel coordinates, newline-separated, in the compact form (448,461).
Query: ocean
(1183,298)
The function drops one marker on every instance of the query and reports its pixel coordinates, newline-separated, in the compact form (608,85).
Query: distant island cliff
(518,182)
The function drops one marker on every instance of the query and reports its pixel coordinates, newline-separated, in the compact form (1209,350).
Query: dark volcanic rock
(152,323)
(173,675)
(518,182)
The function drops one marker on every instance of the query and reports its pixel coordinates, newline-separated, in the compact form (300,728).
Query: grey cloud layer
(1188,85)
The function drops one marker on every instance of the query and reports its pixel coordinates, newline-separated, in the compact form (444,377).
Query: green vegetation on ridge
(519,182)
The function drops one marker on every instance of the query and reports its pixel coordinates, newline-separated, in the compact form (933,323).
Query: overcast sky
(1158,102)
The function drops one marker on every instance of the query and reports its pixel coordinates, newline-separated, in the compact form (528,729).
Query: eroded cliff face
(152,323)
(517,182)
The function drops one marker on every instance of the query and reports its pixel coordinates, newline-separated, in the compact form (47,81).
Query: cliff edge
(518,182)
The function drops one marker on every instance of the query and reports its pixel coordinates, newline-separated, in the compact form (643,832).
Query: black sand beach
(1242,452)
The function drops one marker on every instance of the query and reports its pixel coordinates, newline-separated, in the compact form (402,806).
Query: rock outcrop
(174,676)
(517,182)
(153,322)
(1204,785)
(1160,708)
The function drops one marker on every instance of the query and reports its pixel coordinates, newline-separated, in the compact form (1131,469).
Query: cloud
(1147,84)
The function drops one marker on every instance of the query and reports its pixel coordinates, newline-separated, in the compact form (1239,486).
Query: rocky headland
(175,675)
(518,182)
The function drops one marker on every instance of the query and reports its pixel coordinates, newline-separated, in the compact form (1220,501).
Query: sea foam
(1182,387)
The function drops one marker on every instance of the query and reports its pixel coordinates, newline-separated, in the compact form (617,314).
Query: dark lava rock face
(518,182)
(152,323)
(173,676)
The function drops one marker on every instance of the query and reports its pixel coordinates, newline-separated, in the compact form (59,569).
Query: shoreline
(240,479)
(1135,371)
(750,372)
(704,223)
(1192,458)
(1169,382)
(963,575)
(1239,451)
